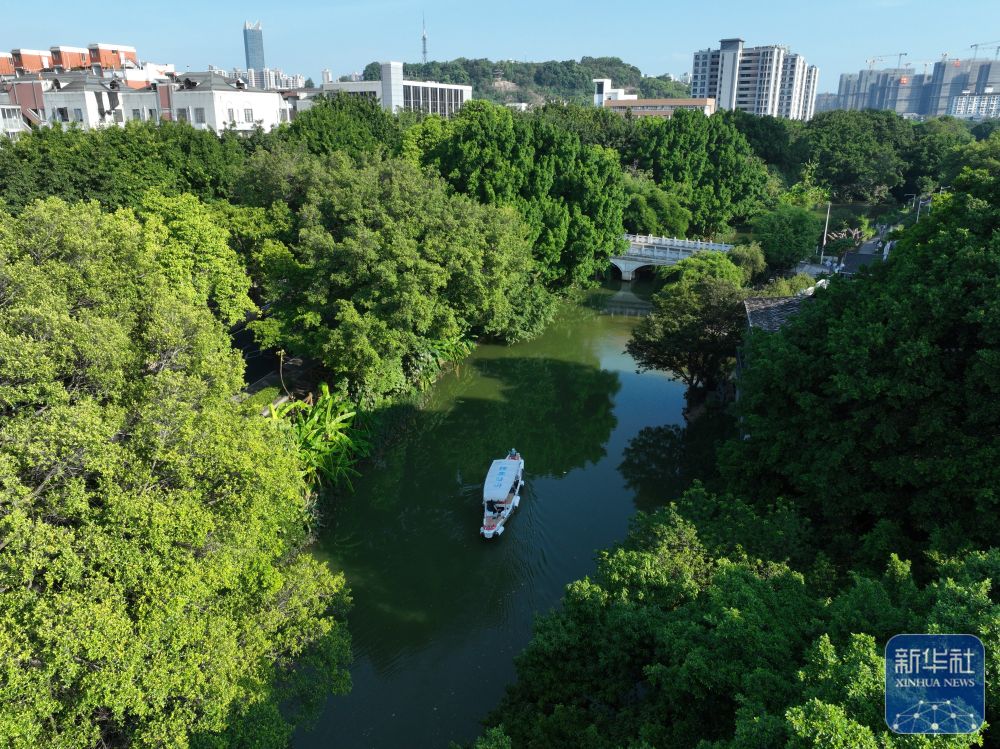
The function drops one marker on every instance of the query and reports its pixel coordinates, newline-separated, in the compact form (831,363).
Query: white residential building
(766,80)
(976,106)
(397,95)
(209,102)
(11,120)
(205,100)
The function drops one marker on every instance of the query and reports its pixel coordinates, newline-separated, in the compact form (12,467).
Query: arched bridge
(644,250)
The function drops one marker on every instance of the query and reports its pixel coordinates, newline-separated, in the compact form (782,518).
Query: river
(439,613)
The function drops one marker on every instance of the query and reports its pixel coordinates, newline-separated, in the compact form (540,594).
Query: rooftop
(668,102)
(771,313)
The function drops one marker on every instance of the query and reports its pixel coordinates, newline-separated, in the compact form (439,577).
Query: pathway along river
(439,613)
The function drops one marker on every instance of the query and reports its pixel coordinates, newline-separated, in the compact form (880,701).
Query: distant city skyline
(310,36)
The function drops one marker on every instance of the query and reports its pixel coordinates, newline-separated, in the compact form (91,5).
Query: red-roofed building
(70,58)
(31,60)
(112,56)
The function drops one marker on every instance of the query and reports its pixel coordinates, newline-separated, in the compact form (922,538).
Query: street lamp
(826,230)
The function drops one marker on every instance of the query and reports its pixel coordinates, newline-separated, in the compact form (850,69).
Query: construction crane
(899,58)
(975,48)
(925,63)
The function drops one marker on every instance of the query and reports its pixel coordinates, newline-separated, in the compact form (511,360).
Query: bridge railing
(638,244)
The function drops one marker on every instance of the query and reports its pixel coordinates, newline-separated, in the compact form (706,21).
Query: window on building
(199,115)
(248,115)
(77,115)
(118,115)
(136,114)
(232,115)
(182,114)
(62,114)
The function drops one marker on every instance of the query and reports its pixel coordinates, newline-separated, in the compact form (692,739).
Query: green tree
(342,122)
(856,413)
(195,256)
(153,581)
(571,195)
(860,155)
(787,235)
(706,162)
(117,166)
(693,331)
(750,259)
(776,140)
(387,268)
(982,158)
(653,210)
(933,142)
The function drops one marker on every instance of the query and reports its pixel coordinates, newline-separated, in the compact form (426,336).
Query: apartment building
(11,122)
(112,56)
(952,85)
(976,106)
(205,100)
(31,60)
(766,80)
(397,95)
(70,58)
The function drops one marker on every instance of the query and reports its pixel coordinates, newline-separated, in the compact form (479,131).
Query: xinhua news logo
(935,684)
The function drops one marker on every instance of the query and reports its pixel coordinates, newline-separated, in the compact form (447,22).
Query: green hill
(536,82)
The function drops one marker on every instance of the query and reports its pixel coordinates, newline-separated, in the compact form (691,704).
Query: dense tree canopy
(535,82)
(341,122)
(116,166)
(653,210)
(571,194)
(152,584)
(877,407)
(787,235)
(706,162)
(675,642)
(860,154)
(387,268)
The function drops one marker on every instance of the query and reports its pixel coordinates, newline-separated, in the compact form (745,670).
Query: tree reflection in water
(661,462)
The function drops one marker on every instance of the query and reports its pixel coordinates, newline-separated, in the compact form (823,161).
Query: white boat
(501,493)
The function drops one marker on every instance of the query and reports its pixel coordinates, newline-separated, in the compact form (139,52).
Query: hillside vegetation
(537,82)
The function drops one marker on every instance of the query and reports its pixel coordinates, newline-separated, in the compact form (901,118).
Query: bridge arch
(647,250)
(628,267)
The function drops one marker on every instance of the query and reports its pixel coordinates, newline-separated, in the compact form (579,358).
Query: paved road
(866,254)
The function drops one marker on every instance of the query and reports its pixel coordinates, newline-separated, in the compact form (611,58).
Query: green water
(439,613)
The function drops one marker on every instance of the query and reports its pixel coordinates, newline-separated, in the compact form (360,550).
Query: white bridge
(646,250)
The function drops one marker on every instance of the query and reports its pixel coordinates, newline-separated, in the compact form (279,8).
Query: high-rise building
(766,80)
(253,45)
(927,95)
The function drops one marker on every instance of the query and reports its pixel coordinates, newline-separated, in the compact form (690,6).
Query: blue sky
(656,35)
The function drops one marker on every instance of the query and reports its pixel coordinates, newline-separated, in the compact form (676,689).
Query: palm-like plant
(329,441)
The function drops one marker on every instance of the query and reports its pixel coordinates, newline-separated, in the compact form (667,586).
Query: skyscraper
(767,80)
(253,43)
